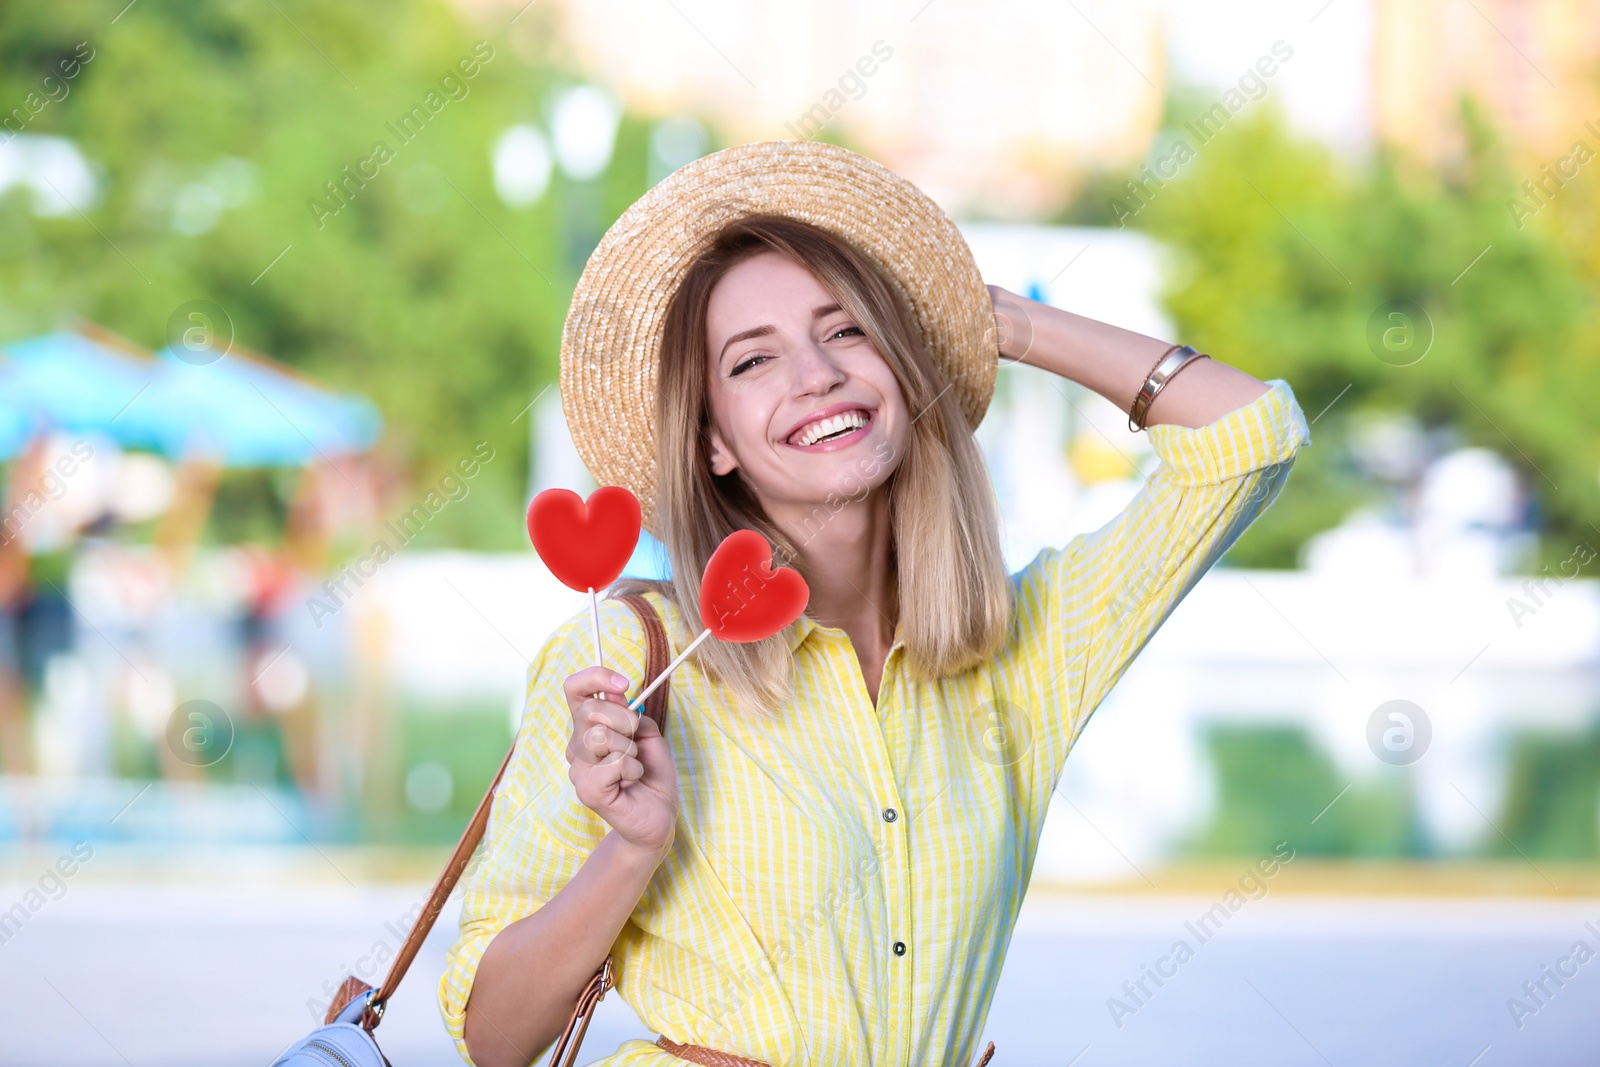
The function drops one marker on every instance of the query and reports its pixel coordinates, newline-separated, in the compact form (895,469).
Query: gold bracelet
(1171,362)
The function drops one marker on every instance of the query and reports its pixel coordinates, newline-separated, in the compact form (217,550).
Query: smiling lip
(826,413)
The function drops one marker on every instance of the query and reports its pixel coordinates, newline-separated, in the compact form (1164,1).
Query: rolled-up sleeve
(539,834)
(1085,610)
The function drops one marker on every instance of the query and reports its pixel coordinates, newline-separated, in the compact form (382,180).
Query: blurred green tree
(1287,261)
(215,128)
(1274,783)
(1552,791)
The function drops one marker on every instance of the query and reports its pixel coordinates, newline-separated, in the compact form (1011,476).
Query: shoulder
(656,594)
(1035,585)
(570,648)
(622,632)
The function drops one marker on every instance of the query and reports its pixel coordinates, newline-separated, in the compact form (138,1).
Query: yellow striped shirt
(844,879)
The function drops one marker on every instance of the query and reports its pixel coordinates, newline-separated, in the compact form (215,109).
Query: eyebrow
(763,331)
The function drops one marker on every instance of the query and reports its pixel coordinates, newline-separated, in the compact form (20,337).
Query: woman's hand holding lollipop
(586,545)
(618,762)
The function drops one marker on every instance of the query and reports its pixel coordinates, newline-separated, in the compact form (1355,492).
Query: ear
(721,456)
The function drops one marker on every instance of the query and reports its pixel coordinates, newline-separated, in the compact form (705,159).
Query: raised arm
(1225,442)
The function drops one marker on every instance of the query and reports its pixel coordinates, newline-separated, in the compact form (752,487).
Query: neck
(846,557)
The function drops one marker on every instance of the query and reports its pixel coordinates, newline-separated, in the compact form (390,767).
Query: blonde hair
(954,596)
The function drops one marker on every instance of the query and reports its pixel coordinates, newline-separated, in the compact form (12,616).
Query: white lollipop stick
(651,688)
(594,628)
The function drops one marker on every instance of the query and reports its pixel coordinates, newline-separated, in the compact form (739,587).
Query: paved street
(113,975)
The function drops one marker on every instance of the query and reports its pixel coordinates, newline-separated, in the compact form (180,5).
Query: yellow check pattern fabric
(845,878)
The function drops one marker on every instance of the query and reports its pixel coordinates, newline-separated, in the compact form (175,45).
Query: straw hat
(611,346)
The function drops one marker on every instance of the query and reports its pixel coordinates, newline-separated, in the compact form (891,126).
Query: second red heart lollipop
(743,597)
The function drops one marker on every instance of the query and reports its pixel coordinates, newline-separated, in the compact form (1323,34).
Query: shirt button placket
(881,732)
(897,873)
(897,893)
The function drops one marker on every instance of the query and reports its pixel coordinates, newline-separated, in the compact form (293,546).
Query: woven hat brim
(611,343)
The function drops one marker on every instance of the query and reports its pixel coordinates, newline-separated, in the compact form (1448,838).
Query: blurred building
(1533,64)
(993,108)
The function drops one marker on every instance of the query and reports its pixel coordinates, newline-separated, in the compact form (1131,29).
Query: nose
(815,371)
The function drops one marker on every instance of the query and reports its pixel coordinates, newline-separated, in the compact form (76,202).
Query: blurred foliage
(250,507)
(1284,255)
(1274,784)
(1273,781)
(1552,792)
(468,741)
(426,292)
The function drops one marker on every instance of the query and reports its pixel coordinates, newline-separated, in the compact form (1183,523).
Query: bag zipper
(318,1045)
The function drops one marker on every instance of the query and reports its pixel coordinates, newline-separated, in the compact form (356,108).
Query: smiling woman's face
(801,402)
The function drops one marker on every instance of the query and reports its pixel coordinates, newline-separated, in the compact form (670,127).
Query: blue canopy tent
(245,411)
(236,410)
(241,410)
(205,411)
(14,424)
(77,381)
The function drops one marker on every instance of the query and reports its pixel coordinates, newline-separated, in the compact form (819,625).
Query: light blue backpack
(340,1043)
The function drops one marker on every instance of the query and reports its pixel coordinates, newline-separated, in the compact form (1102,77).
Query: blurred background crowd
(281,293)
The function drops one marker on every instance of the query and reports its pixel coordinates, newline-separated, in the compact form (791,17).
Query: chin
(853,474)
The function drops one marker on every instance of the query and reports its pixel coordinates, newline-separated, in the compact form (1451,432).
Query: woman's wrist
(1013,325)
(1106,359)
(638,858)
(1114,362)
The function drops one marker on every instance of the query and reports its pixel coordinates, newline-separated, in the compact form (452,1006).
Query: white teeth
(849,420)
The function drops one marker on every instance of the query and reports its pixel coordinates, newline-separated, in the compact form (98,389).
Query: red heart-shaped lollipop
(585,546)
(742,596)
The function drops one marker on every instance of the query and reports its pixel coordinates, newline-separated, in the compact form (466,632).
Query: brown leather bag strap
(706,1057)
(658,653)
(436,901)
(561,1053)
(710,1057)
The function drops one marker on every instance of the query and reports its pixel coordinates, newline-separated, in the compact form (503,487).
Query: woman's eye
(740,368)
(841,331)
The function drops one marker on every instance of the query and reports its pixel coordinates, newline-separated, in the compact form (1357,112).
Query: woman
(822,861)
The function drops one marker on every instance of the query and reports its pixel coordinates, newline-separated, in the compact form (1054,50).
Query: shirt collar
(798,631)
(804,626)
